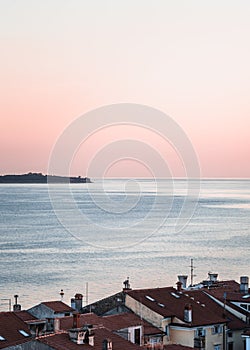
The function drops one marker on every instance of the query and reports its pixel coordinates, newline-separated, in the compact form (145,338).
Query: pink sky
(190,60)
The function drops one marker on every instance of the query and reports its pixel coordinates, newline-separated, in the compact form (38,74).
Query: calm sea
(91,237)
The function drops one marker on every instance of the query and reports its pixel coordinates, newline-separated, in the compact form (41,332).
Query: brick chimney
(179,286)
(76,320)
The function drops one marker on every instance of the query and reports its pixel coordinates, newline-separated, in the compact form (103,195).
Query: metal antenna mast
(87,293)
(192,272)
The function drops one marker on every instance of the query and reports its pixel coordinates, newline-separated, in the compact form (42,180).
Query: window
(217,329)
(137,336)
(217,347)
(230,346)
(2,338)
(149,298)
(200,332)
(23,333)
(167,329)
(230,334)
(244,306)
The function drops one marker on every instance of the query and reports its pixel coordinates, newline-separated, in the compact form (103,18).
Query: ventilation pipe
(16,306)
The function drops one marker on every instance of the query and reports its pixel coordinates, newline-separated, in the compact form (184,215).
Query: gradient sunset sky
(189,59)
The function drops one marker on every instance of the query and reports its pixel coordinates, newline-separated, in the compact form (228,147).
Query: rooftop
(61,341)
(58,306)
(112,322)
(13,330)
(25,316)
(168,302)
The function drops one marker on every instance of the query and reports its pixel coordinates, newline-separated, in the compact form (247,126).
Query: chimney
(126,284)
(212,277)
(179,286)
(76,320)
(80,335)
(16,306)
(188,313)
(107,344)
(183,280)
(73,303)
(78,301)
(91,339)
(62,294)
(56,325)
(244,284)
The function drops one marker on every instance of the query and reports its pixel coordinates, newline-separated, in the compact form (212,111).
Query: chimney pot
(179,286)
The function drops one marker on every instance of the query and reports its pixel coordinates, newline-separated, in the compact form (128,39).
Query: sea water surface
(90,239)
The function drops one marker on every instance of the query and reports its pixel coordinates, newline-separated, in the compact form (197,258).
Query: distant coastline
(39,178)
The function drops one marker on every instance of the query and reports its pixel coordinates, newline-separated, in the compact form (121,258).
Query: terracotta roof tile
(112,322)
(176,347)
(58,306)
(24,315)
(128,319)
(168,302)
(233,322)
(10,327)
(62,341)
(230,289)
(67,322)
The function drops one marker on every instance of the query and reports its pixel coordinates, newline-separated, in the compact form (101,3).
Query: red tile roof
(230,290)
(128,319)
(112,322)
(67,322)
(201,296)
(167,302)
(25,315)
(176,347)
(62,341)
(10,327)
(58,306)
